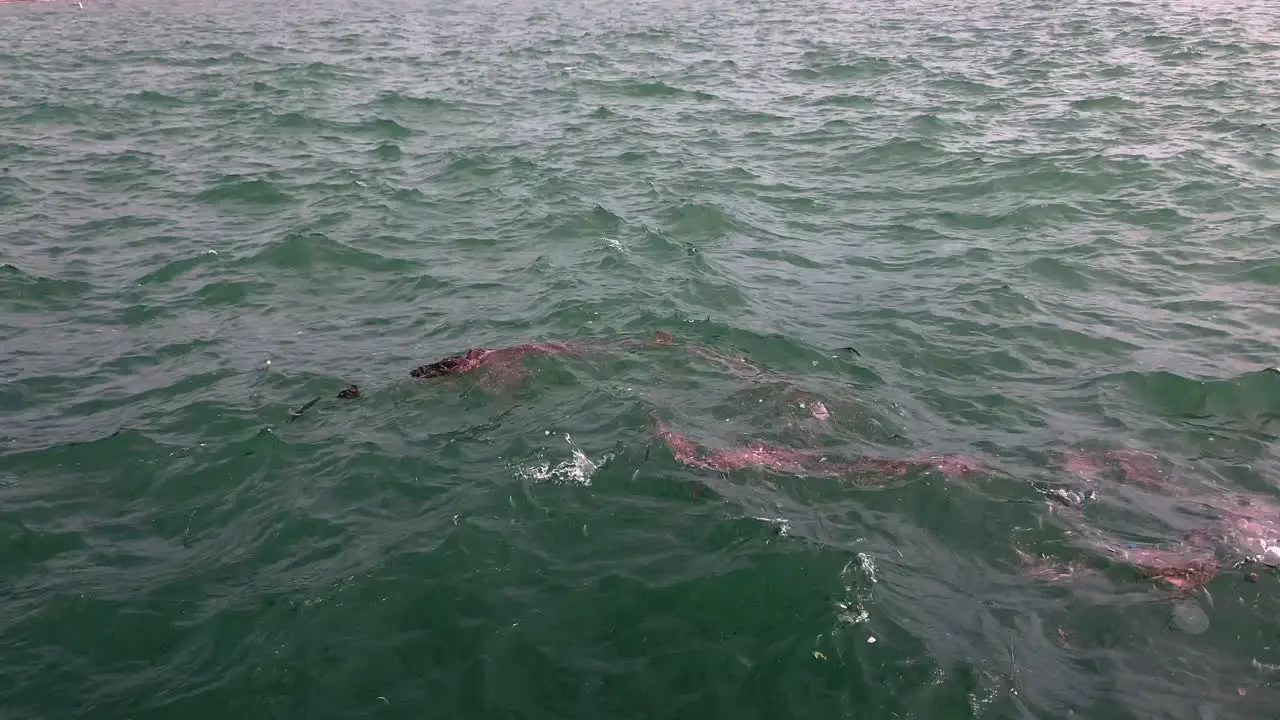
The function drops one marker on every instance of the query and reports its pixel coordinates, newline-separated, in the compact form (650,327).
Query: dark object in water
(504,365)
(351,393)
(298,413)
(505,362)
(448,366)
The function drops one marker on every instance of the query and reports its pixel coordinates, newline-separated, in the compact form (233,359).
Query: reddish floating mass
(1130,465)
(788,461)
(505,364)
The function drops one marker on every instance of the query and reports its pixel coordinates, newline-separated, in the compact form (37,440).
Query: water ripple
(1005,231)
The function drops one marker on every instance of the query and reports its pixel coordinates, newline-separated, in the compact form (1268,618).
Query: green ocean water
(998,229)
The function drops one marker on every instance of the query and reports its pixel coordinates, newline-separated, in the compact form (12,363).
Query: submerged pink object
(761,456)
(506,362)
(1084,466)
(1251,527)
(951,466)
(1182,567)
(1248,529)
(737,365)
(1185,568)
(1138,466)
(1131,465)
(789,461)
(954,466)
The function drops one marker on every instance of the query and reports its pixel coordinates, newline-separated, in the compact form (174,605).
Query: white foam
(868,566)
(577,470)
(783,525)
(852,609)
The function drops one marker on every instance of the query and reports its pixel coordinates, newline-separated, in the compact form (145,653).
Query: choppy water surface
(1040,237)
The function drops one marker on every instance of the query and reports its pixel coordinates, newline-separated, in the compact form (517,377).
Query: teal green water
(1042,225)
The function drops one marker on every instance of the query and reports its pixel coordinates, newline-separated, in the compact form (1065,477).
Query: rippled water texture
(920,359)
